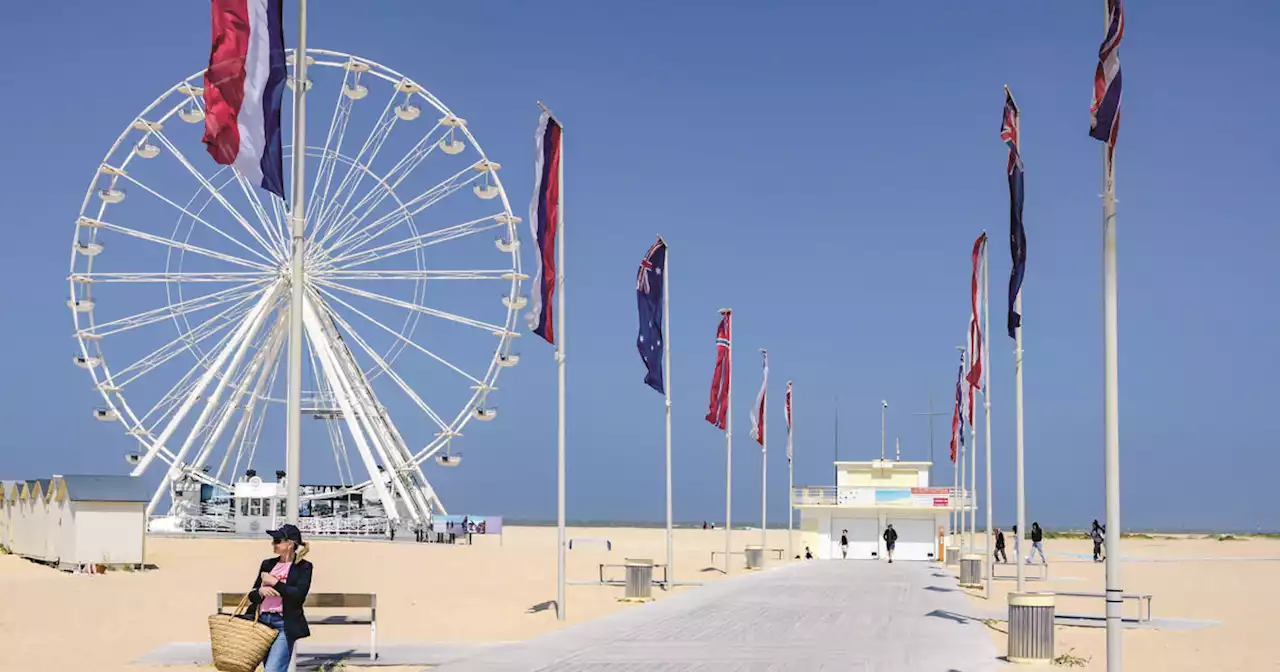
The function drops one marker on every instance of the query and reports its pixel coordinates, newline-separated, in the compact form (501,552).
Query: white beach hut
(98,520)
(8,494)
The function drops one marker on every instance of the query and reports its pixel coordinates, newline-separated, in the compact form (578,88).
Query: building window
(255,507)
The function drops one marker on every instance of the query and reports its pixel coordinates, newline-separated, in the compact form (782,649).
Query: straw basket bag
(239,644)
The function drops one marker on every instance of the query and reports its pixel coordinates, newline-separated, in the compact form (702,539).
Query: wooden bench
(776,551)
(1143,599)
(664,582)
(1040,568)
(362,609)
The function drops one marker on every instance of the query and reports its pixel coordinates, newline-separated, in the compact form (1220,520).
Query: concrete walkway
(859,616)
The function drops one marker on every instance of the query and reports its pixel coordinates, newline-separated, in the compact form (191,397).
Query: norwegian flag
(719,410)
(1104,113)
(975,320)
(788,406)
(757,413)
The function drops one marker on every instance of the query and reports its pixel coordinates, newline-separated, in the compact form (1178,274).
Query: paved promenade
(858,616)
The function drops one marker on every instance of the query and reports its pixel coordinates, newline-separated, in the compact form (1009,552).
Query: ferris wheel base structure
(186,353)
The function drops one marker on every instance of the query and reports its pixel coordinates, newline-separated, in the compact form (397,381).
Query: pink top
(274,605)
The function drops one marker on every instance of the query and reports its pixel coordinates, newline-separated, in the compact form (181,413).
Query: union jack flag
(1104,119)
(1011,134)
(719,409)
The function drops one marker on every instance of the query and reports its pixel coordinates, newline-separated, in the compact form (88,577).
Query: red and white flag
(757,413)
(244,89)
(975,320)
(717,414)
(788,422)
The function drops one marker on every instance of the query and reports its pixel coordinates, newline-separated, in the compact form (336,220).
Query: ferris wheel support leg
(246,419)
(371,415)
(419,488)
(328,366)
(237,396)
(245,333)
(194,393)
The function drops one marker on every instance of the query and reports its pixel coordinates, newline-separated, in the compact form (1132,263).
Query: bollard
(971,571)
(953,556)
(1030,627)
(755,557)
(639,580)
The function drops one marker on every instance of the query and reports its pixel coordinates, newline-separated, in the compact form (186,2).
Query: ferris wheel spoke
(383,366)
(203,302)
(356,238)
(503,274)
(215,192)
(239,277)
(365,157)
(250,426)
(272,227)
(324,397)
(351,258)
(332,146)
(401,337)
(197,218)
(444,315)
(185,247)
(390,182)
(181,344)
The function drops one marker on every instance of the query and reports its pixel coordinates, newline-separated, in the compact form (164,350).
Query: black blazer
(293,593)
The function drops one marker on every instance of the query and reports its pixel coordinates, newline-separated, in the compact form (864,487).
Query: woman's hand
(269,580)
(267,591)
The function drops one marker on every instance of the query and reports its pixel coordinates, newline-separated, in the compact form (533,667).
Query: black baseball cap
(286,531)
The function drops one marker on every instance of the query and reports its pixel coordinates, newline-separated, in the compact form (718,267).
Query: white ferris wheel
(180,291)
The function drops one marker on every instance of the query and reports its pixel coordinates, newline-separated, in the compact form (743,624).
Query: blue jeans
(281,650)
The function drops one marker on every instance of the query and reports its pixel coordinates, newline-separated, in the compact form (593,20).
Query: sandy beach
(1190,577)
(488,592)
(491,593)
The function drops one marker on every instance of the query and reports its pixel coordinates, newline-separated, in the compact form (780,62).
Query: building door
(916,539)
(863,532)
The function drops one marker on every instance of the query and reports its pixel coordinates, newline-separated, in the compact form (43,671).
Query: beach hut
(97,520)
(8,494)
(867,498)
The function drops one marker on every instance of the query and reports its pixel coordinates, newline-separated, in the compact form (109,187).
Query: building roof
(88,488)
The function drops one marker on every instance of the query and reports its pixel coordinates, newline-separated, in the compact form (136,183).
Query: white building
(867,497)
(69,521)
(259,505)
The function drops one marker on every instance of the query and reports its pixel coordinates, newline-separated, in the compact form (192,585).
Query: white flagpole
(297,227)
(964,470)
(986,404)
(666,386)
(1017,421)
(764,459)
(791,478)
(1111,415)
(973,480)
(728,459)
(560,364)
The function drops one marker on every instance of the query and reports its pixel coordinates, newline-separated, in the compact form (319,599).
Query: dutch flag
(243,90)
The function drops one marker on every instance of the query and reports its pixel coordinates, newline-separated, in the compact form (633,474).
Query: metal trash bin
(971,571)
(953,556)
(755,557)
(1030,627)
(639,580)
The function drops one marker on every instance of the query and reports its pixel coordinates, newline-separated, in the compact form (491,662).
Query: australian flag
(650,293)
(1010,132)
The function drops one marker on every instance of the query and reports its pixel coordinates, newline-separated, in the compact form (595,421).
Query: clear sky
(822,168)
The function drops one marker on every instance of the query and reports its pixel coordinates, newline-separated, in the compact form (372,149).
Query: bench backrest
(314,600)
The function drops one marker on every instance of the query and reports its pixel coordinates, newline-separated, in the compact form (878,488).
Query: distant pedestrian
(1096,533)
(1000,555)
(1037,545)
(890,538)
(844,544)
(808,555)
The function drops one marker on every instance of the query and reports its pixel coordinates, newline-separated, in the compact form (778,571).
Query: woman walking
(279,592)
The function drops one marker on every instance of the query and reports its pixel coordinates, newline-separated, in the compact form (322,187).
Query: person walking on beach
(1096,534)
(844,544)
(1000,555)
(890,538)
(1037,537)
(278,593)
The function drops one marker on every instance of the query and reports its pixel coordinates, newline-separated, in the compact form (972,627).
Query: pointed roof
(91,488)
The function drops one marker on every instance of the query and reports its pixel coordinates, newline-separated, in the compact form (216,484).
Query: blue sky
(823,169)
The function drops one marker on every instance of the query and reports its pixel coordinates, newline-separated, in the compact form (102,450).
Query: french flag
(544,223)
(243,90)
